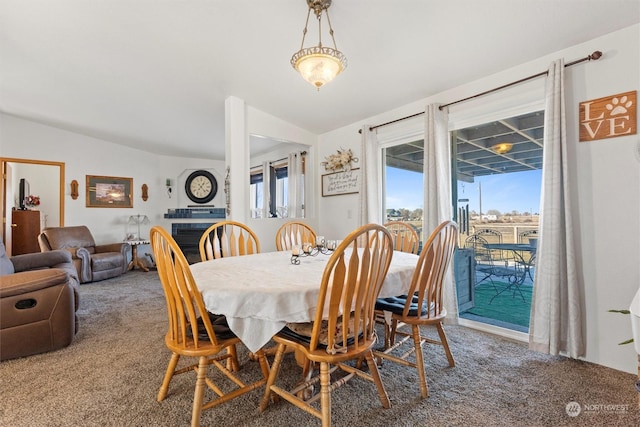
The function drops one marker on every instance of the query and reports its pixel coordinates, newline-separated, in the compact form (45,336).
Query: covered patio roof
(474,153)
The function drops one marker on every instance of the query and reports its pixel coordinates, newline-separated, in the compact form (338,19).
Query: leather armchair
(38,301)
(93,262)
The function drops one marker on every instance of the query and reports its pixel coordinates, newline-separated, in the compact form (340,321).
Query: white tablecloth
(260,293)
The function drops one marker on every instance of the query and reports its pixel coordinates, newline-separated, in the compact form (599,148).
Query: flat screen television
(23,193)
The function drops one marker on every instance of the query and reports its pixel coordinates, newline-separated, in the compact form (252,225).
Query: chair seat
(107,261)
(302,336)
(220,327)
(301,332)
(396,305)
(501,271)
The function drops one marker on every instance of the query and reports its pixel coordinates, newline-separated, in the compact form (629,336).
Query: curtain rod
(302,153)
(594,56)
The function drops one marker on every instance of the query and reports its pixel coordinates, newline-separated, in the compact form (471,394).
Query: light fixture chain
(320,29)
(331,29)
(304,32)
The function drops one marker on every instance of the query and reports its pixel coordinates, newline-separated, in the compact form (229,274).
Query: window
(280,191)
(404,184)
(255,192)
(269,198)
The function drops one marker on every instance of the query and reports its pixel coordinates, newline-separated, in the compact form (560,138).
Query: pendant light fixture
(502,147)
(319,64)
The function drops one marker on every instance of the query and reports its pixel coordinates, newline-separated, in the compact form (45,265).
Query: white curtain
(437,189)
(556,309)
(370,173)
(266,183)
(295,178)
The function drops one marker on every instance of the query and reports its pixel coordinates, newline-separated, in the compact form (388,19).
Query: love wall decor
(609,117)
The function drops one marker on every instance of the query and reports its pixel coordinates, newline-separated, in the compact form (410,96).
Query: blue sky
(518,191)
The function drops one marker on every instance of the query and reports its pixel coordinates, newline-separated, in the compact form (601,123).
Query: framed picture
(337,183)
(109,192)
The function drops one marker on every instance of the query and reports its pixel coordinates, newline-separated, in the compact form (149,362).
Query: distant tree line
(404,214)
(416,214)
(499,214)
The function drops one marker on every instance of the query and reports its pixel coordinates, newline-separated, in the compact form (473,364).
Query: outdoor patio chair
(530,237)
(525,236)
(492,236)
(491,266)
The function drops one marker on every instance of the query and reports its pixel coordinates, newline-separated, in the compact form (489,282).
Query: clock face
(201,186)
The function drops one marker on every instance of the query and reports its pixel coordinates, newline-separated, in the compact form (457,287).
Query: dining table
(260,293)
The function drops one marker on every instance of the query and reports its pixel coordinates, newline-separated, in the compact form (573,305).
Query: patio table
(518,250)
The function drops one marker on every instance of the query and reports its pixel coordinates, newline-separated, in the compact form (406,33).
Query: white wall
(605,180)
(84,155)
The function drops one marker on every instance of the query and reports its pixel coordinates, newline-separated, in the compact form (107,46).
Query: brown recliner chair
(93,262)
(38,302)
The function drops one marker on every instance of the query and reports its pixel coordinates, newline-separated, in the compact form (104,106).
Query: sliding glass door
(496,190)
(496,182)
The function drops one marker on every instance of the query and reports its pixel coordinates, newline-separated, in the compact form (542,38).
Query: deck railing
(509,232)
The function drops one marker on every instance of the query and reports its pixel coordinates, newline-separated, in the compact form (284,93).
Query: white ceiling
(154,74)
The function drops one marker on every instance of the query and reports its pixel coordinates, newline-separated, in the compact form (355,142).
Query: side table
(135,262)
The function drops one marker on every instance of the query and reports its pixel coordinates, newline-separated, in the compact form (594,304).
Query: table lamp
(137,220)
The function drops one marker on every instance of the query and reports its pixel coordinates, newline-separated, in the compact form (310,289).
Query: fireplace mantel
(196,213)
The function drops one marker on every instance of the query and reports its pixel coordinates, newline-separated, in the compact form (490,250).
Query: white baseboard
(496,330)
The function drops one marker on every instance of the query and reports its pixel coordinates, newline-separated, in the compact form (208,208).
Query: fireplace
(187,236)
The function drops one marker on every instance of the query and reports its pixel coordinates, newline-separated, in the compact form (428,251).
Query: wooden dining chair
(207,337)
(425,307)
(294,233)
(405,237)
(228,238)
(350,285)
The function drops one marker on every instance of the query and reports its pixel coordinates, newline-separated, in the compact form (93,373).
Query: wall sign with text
(608,117)
(337,183)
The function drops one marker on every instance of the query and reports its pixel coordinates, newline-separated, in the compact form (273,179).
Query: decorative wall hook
(145,192)
(227,190)
(74,189)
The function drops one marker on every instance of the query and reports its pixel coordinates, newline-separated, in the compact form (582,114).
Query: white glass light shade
(319,65)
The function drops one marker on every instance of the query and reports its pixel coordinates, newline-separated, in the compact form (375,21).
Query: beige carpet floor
(110,374)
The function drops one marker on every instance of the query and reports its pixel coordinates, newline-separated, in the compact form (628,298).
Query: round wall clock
(201,186)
